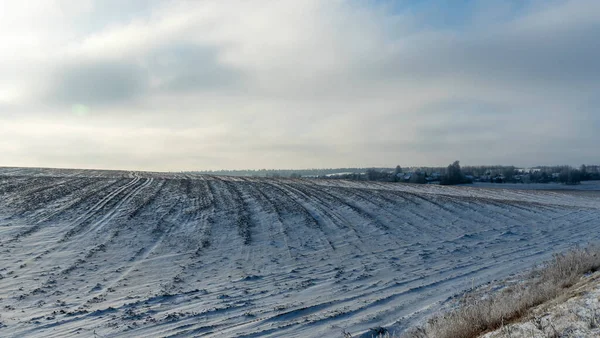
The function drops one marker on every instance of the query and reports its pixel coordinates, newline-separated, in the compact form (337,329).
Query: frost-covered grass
(477,314)
(576,313)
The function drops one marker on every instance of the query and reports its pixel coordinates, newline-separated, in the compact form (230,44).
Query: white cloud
(233,84)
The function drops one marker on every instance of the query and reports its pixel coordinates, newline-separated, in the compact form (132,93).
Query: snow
(574,314)
(120,253)
(583,186)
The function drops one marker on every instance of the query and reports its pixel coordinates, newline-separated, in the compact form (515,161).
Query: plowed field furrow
(119,253)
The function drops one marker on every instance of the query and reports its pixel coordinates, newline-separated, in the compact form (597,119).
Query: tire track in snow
(82,259)
(206,218)
(35,199)
(305,210)
(360,211)
(80,222)
(103,291)
(285,208)
(81,197)
(88,258)
(271,208)
(229,202)
(369,221)
(114,212)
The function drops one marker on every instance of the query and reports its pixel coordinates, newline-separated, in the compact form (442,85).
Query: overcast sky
(185,85)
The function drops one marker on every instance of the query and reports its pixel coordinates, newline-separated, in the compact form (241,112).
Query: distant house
(337,175)
(497,179)
(528,170)
(434,177)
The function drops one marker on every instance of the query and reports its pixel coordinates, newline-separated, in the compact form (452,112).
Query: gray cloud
(565,60)
(97,83)
(563,56)
(187,67)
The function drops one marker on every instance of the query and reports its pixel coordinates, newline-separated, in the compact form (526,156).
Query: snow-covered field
(113,253)
(583,186)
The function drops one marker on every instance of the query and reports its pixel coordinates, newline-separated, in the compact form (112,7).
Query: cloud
(300,83)
(97,83)
(191,67)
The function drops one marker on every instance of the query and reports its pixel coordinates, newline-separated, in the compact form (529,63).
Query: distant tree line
(452,174)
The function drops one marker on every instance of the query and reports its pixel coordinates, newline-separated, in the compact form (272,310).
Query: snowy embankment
(576,313)
(151,254)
